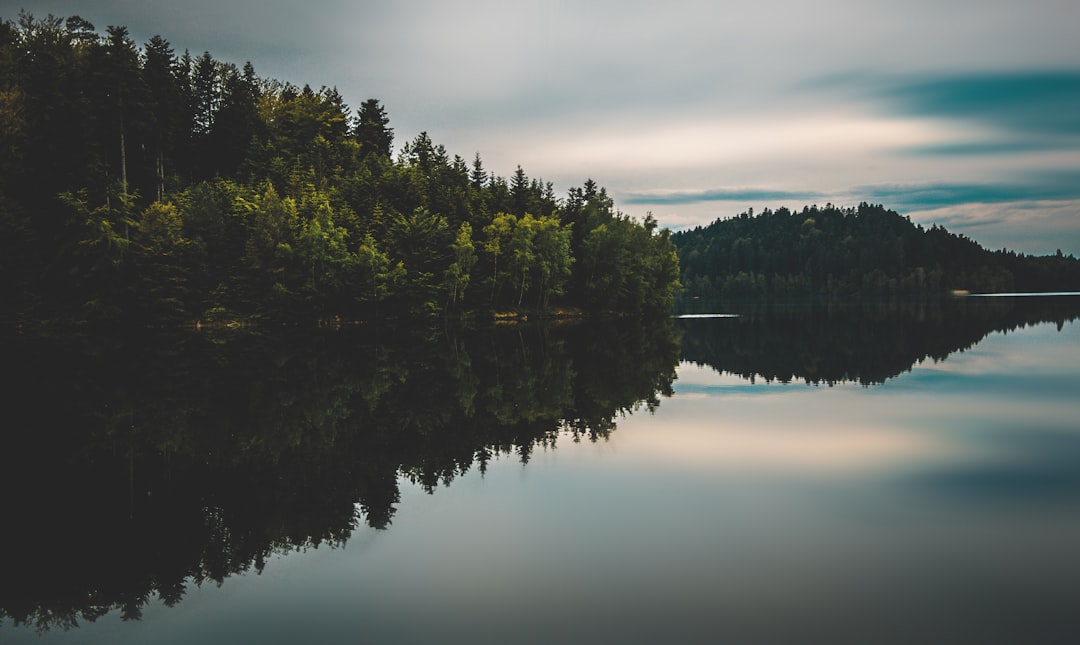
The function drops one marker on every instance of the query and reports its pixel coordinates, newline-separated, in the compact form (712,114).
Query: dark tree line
(868,250)
(140,184)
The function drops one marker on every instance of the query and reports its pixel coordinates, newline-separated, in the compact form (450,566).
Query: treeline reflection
(133,467)
(829,342)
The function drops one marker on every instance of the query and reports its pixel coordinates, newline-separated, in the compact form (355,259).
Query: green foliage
(535,254)
(161,262)
(629,267)
(379,275)
(147,187)
(497,242)
(551,256)
(464,254)
(322,252)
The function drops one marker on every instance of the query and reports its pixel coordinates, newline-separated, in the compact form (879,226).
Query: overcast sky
(961,112)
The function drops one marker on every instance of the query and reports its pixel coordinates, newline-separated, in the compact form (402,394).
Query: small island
(842,252)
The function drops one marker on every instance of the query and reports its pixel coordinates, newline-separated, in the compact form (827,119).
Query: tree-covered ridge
(140,184)
(852,251)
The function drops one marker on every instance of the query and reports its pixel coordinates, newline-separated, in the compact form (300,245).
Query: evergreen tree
(372,129)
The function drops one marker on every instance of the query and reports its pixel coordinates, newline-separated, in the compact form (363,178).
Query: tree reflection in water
(868,342)
(133,466)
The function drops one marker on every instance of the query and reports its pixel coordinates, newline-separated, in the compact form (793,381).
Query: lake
(878,472)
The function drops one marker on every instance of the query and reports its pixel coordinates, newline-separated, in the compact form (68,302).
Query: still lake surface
(863,473)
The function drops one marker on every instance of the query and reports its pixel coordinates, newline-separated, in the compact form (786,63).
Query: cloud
(988,147)
(285,40)
(1036,227)
(997,112)
(1043,102)
(1044,186)
(721,195)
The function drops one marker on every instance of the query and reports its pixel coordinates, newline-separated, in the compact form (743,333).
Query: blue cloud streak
(722,195)
(1026,102)
(1049,186)
(1033,110)
(983,148)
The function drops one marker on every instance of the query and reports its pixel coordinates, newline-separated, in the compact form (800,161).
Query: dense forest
(868,250)
(142,185)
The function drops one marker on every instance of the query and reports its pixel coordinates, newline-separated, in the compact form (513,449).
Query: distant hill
(868,250)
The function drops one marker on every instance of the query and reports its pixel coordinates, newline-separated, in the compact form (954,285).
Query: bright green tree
(497,237)
(324,257)
(161,262)
(270,249)
(464,253)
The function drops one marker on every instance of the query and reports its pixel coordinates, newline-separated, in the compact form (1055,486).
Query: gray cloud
(721,195)
(1032,227)
(286,40)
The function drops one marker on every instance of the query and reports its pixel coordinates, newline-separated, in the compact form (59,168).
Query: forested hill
(867,250)
(142,185)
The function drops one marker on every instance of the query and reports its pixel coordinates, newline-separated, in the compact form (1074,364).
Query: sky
(961,113)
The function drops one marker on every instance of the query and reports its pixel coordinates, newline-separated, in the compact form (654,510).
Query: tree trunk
(160,176)
(123,151)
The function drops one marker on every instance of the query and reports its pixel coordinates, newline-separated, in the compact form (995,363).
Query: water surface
(872,473)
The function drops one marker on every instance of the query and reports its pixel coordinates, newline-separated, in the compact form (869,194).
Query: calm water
(863,474)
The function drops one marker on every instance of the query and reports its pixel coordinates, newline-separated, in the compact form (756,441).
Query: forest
(868,250)
(141,185)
